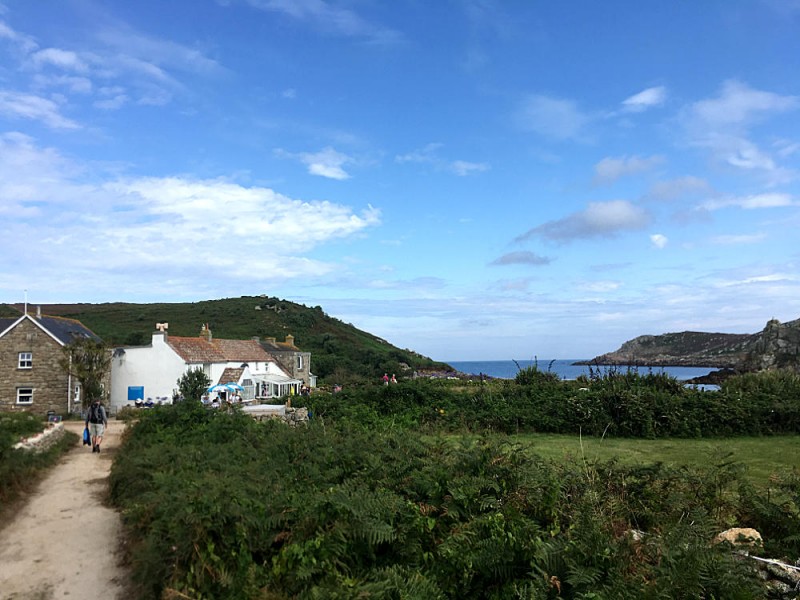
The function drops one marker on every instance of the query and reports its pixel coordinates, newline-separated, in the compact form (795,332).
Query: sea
(565,368)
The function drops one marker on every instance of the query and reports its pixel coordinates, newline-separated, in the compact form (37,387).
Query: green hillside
(338,350)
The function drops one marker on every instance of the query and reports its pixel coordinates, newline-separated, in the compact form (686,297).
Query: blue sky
(466,178)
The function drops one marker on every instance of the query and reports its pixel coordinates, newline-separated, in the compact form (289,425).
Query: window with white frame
(24,395)
(25,360)
(299,359)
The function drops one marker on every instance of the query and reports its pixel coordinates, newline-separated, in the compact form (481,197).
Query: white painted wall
(156,367)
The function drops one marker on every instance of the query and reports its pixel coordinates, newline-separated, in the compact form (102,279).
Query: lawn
(762,456)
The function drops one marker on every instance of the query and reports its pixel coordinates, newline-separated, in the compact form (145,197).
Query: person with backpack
(96,422)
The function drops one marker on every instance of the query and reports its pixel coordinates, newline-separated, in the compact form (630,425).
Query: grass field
(761,456)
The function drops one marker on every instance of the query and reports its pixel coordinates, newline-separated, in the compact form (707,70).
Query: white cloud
(645,99)
(599,219)
(786,148)
(659,240)
(463,168)
(157,52)
(63,59)
(158,228)
(722,124)
(35,108)
(740,105)
(756,201)
(610,168)
(429,155)
(552,117)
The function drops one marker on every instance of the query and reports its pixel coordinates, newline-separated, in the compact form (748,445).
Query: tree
(88,361)
(193,384)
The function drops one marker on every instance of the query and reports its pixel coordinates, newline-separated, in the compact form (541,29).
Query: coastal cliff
(776,346)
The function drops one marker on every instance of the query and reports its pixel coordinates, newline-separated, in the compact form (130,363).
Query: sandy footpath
(63,542)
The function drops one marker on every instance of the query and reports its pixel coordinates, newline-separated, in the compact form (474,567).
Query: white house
(152,372)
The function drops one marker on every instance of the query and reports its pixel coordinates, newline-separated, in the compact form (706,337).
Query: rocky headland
(777,346)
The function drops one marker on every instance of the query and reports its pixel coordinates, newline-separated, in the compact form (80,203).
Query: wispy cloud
(598,220)
(63,59)
(740,105)
(24,43)
(680,187)
(429,154)
(723,123)
(331,17)
(147,66)
(552,117)
(645,99)
(521,258)
(610,168)
(325,163)
(35,108)
(756,201)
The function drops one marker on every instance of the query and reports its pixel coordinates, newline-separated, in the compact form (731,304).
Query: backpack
(96,413)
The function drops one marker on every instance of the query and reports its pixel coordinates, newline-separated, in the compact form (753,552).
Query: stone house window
(25,395)
(25,360)
(299,360)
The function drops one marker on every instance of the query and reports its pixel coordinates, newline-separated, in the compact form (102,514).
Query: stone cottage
(296,362)
(31,378)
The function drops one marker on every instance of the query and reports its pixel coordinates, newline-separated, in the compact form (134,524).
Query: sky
(469,179)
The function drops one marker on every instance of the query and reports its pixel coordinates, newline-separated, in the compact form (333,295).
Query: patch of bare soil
(63,542)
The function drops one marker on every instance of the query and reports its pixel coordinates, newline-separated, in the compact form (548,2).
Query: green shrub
(20,468)
(220,506)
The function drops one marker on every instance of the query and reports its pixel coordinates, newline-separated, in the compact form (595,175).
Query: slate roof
(64,330)
(200,350)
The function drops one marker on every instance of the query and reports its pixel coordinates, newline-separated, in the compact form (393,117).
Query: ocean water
(507,369)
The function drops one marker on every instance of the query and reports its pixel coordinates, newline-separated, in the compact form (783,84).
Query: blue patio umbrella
(220,387)
(235,387)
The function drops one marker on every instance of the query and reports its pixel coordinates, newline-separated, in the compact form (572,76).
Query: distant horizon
(20,306)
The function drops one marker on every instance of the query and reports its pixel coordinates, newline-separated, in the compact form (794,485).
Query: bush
(219,506)
(19,468)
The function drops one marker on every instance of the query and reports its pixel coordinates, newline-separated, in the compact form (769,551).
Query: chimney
(290,340)
(205,332)
(38,312)
(256,339)
(271,340)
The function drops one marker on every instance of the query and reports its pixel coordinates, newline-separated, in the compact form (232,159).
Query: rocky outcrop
(777,346)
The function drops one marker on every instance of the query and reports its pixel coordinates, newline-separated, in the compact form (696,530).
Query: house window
(25,395)
(25,360)
(299,360)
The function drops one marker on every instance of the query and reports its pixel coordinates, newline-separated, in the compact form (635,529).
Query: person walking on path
(62,541)
(96,422)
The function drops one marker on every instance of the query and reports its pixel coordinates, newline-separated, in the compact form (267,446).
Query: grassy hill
(339,350)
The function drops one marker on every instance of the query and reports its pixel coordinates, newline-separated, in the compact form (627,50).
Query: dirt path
(63,541)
